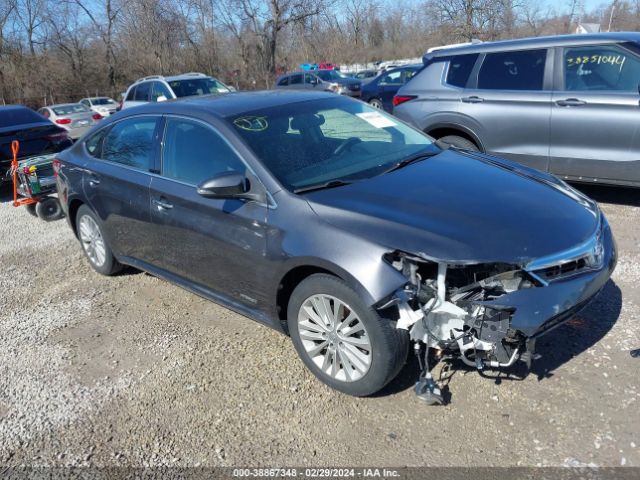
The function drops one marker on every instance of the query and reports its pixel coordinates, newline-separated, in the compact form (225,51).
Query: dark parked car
(365,75)
(380,91)
(565,104)
(36,134)
(322,217)
(345,84)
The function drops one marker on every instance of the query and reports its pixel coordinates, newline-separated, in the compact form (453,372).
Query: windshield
(102,101)
(69,109)
(315,142)
(197,86)
(329,75)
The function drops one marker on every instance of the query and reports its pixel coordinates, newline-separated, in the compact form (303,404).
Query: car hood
(463,208)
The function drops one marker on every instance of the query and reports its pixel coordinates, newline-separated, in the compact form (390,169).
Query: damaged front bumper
(491,315)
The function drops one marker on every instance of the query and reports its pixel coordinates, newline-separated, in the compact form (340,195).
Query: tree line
(58,51)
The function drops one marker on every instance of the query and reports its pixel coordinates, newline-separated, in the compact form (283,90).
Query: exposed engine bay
(442,307)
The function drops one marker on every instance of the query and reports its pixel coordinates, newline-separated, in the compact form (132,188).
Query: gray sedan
(75,118)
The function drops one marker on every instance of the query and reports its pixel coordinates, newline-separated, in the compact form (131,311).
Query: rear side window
(283,82)
(194,152)
(295,79)
(460,68)
(130,142)
(604,68)
(142,92)
(522,70)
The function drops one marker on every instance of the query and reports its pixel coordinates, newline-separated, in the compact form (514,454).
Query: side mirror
(225,185)
(161,98)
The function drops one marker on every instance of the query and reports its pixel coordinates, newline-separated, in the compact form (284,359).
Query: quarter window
(94,143)
(460,68)
(283,82)
(522,70)
(194,152)
(605,68)
(130,142)
(131,95)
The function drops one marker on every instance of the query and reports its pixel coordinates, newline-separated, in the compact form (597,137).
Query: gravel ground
(133,371)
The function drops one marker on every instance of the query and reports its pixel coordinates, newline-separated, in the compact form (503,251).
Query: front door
(215,243)
(595,120)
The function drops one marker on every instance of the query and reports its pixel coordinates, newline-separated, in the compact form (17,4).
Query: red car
(327,66)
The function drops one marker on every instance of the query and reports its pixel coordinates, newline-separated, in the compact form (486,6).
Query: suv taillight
(56,166)
(400,99)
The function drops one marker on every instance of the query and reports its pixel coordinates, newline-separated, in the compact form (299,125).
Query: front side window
(310,79)
(94,143)
(392,78)
(520,70)
(460,68)
(131,142)
(318,141)
(193,152)
(604,68)
(160,90)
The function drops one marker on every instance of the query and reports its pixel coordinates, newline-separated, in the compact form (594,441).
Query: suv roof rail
(194,74)
(150,77)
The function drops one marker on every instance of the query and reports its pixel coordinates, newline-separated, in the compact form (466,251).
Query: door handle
(473,99)
(162,204)
(94,181)
(571,102)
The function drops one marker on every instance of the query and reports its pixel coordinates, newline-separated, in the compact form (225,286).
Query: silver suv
(157,88)
(564,104)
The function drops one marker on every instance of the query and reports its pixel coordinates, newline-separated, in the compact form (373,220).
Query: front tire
(344,342)
(460,142)
(93,243)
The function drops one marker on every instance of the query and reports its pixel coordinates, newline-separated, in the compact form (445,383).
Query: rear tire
(49,209)
(376,103)
(460,142)
(354,350)
(94,245)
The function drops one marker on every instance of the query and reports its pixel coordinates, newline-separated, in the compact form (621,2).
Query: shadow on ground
(556,348)
(611,194)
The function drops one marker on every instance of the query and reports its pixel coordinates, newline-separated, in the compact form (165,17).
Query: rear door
(116,182)
(595,119)
(388,86)
(216,243)
(509,100)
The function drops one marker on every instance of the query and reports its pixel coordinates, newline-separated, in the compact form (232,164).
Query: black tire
(110,265)
(460,142)
(389,346)
(376,103)
(49,209)
(31,209)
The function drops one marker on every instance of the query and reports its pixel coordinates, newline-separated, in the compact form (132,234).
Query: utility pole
(614,4)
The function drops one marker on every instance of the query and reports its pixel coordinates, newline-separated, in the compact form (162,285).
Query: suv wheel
(344,342)
(93,243)
(375,103)
(459,142)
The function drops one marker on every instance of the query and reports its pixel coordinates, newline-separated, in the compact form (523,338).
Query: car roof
(539,42)
(230,104)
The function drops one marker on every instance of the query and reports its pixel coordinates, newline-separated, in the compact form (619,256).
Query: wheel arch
(74,206)
(440,130)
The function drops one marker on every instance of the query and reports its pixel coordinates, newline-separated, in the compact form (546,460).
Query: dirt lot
(131,370)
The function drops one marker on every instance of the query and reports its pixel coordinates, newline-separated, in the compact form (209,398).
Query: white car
(157,88)
(105,106)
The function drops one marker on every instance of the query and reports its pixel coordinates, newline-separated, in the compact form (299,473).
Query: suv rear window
(522,70)
(460,68)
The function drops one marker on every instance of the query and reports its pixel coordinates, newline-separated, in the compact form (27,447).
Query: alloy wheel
(334,337)
(92,241)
